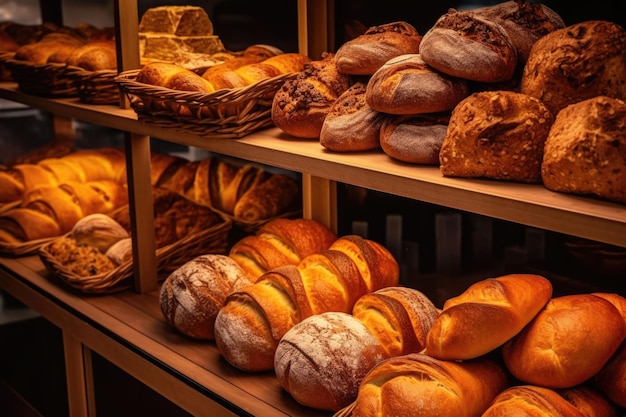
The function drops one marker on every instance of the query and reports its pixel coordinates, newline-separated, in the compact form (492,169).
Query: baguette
(254,319)
(486,315)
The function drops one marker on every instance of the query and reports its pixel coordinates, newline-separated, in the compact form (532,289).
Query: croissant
(255,318)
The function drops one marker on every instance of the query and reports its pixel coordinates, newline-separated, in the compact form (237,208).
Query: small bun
(121,251)
(414,139)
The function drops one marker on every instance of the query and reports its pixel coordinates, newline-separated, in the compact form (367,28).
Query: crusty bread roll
(98,230)
(301,104)
(536,401)
(351,125)
(399,317)
(21,224)
(255,318)
(94,56)
(280,241)
(366,53)
(524,22)
(486,315)
(585,151)
(576,63)
(322,360)
(273,195)
(611,379)
(405,84)
(192,295)
(466,45)
(496,134)
(418,385)
(567,343)
(251,55)
(173,76)
(414,139)
(49,50)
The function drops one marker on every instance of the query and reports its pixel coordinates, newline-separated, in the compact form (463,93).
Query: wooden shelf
(527,204)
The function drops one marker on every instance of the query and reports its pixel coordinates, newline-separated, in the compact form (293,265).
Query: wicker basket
(5,72)
(95,87)
(169,258)
(30,247)
(223,114)
(49,80)
(346,411)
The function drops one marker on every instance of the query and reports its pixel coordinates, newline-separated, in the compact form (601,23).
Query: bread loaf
(407,85)
(567,343)
(467,45)
(351,125)
(301,104)
(576,63)
(366,53)
(531,400)
(255,318)
(176,20)
(48,50)
(280,242)
(322,360)
(414,139)
(486,315)
(276,194)
(192,295)
(420,386)
(496,134)
(98,230)
(585,150)
(94,56)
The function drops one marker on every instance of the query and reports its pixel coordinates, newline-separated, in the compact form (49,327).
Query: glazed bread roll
(414,139)
(585,151)
(301,104)
(255,318)
(486,315)
(192,295)
(496,134)
(280,242)
(576,63)
(98,230)
(351,125)
(366,53)
(567,343)
(321,361)
(174,77)
(407,85)
(467,45)
(399,317)
(420,386)
(535,401)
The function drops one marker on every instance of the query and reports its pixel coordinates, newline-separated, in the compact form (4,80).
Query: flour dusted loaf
(420,386)
(496,134)
(191,296)
(98,230)
(254,319)
(585,151)
(366,53)
(578,62)
(567,343)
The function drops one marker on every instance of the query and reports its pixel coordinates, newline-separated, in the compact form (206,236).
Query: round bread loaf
(301,104)
(192,295)
(575,63)
(585,151)
(322,360)
(98,230)
(366,53)
(351,124)
(567,343)
(414,139)
(467,45)
(407,85)
(496,134)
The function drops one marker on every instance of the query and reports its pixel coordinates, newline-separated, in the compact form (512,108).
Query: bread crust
(414,139)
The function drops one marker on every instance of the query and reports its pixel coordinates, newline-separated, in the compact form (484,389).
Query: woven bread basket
(50,80)
(95,87)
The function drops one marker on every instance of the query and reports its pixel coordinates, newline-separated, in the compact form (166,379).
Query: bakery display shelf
(528,204)
(128,330)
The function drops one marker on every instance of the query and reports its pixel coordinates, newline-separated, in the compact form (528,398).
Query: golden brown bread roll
(486,315)
(585,151)
(351,125)
(276,194)
(280,242)
(21,224)
(99,231)
(567,343)
(94,56)
(611,379)
(55,48)
(464,44)
(255,318)
(576,63)
(301,104)
(496,134)
(405,84)
(420,386)
(251,55)
(536,401)
(366,53)
(173,76)
(191,296)
(15,180)
(321,361)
